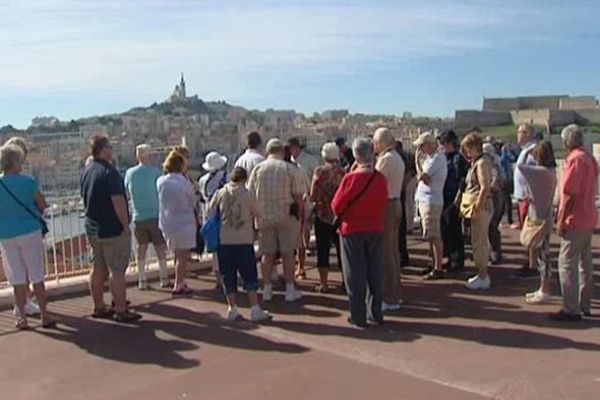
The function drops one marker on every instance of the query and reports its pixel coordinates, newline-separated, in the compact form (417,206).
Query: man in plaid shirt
(278,187)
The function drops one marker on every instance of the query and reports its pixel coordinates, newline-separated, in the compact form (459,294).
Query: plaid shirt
(275,182)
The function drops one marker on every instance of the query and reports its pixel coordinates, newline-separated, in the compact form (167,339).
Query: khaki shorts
(431,219)
(283,237)
(147,232)
(111,254)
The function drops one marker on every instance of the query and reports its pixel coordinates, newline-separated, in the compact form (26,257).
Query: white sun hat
(214,161)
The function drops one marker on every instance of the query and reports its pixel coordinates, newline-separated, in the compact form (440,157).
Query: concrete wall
(522,103)
(578,103)
(535,117)
(562,117)
(534,102)
(472,118)
(591,140)
(588,116)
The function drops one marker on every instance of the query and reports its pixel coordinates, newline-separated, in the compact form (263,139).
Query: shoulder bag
(39,219)
(337,220)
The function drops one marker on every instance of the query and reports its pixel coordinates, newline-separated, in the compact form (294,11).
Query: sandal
(183,291)
(301,275)
(103,313)
(48,323)
(127,316)
(321,288)
(22,324)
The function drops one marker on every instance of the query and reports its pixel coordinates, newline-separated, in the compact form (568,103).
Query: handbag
(211,231)
(338,219)
(39,219)
(532,233)
(467,205)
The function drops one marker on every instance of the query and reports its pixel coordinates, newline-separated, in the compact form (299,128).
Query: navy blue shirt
(458,168)
(99,182)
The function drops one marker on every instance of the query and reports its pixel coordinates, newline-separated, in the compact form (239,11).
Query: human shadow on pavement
(140,343)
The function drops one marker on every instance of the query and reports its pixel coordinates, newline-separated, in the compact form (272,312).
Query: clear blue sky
(79,58)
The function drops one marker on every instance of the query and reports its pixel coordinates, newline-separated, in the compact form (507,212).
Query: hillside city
(59,148)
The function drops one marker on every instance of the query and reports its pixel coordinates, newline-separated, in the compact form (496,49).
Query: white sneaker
(267,293)
(478,283)
(32,307)
(292,295)
(389,307)
(537,298)
(259,315)
(233,314)
(143,285)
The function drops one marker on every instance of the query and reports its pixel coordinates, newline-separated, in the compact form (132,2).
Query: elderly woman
(177,221)
(359,204)
(21,204)
(31,305)
(476,205)
(577,219)
(541,179)
(238,209)
(326,180)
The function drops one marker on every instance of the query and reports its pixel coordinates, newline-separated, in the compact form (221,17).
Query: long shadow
(135,344)
(140,344)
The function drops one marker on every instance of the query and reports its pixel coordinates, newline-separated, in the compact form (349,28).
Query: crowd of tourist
(360,199)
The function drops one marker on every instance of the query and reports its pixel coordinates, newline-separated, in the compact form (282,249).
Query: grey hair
(362,149)
(19,141)
(11,157)
(572,136)
(384,135)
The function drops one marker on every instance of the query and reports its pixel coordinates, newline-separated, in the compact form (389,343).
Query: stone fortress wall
(538,110)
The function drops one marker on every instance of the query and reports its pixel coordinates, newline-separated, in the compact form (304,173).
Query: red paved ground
(446,343)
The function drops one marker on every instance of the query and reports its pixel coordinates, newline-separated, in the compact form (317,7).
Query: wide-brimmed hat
(424,138)
(214,161)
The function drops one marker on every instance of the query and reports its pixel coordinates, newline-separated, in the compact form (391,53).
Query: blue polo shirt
(99,182)
(14,220)
(140,182)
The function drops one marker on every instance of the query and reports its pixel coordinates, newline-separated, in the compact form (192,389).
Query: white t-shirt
(436,168)
(521,191)
(250,159)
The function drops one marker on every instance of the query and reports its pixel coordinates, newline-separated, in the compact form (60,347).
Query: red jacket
(366,214)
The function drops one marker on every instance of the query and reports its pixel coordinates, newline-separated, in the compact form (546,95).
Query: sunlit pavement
(445,343)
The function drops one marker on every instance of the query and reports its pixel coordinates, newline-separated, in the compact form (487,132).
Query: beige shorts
(111,254)
(283,237)
(431,219)
(147,232)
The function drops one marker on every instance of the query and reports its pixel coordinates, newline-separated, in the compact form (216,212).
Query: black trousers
(495,236)
(363,275)
(402,245)
(452,236)
(507,195)
(325,235)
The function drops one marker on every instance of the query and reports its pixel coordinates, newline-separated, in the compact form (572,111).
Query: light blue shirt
(436,167)
(140,182)
(521,191)
(14,220)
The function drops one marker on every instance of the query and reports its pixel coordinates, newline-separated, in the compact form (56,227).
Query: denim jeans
(238,258)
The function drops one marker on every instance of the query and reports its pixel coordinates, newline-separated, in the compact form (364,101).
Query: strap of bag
(23,206)
(359,195)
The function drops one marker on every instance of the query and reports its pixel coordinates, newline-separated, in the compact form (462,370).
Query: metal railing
(66,249)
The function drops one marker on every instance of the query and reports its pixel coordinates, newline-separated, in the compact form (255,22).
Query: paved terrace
(445,343)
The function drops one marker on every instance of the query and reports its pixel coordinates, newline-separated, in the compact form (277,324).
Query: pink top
(580,181)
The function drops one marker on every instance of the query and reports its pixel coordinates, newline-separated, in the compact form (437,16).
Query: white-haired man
(432,170)
(577,219)
(527,140)
(140,182)
(390,164)
(278,187)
